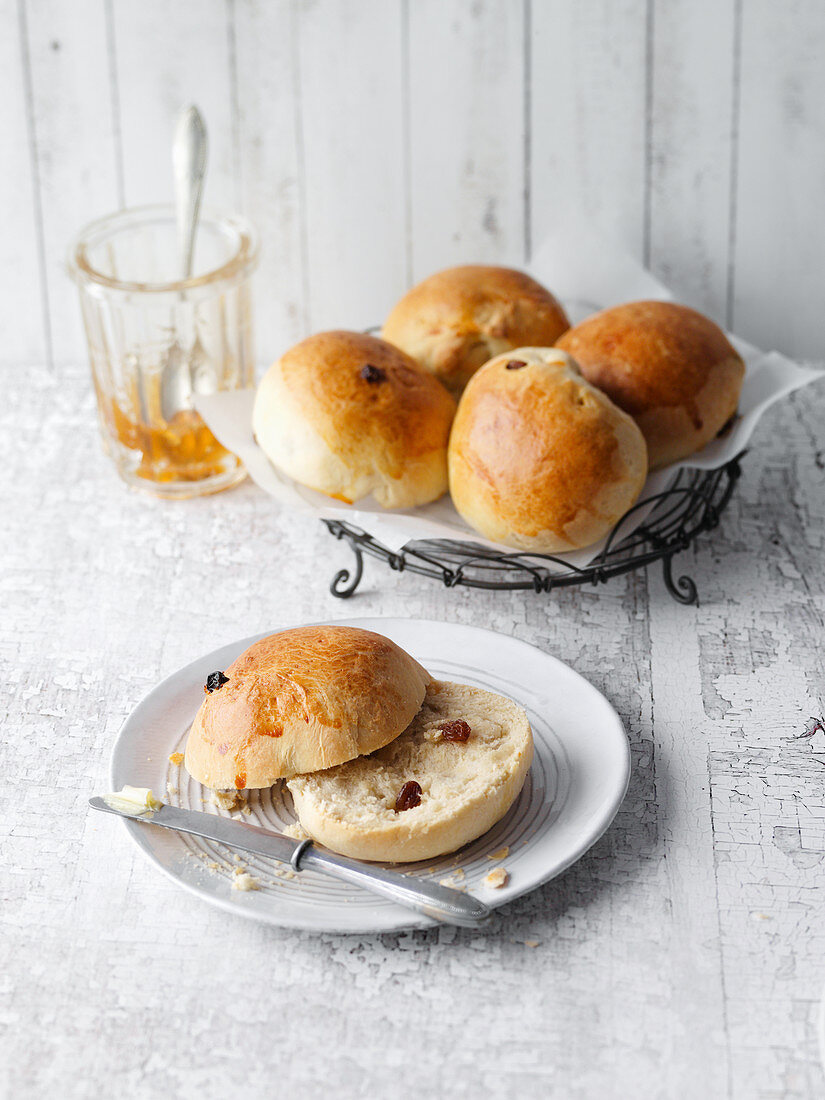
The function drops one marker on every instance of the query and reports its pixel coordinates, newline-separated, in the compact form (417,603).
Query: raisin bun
(301,700)
(450,776)
(457,319)
(672,369)
(539,459)
(349,415)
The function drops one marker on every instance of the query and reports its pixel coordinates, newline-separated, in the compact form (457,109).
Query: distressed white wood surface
(466,116)
(683,957)
(779,234)
(164,59)
(693,94)
(350,55)
(271,167)
(374,140)
(589,116)
(73,131)
(21,265)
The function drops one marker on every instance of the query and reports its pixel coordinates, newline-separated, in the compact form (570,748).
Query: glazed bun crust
(454,321)
(539,459)
(301,700)
(349,415)
(672,369)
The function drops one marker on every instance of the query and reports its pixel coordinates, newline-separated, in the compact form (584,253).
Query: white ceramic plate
(575,786)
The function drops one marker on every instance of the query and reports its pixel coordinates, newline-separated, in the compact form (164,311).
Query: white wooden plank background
(692,120)
(349,53)
(21,258)
(73,130)
(271,164)
(467,142)
(589,117)
(372,141)
(779,269)
(164,59)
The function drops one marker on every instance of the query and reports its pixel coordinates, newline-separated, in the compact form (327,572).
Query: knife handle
(439,902)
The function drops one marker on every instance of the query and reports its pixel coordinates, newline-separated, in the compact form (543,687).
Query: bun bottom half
(466,787)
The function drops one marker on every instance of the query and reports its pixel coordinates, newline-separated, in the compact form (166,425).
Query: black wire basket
(691,506)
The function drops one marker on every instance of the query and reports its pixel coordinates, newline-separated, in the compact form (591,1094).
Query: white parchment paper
(587,276)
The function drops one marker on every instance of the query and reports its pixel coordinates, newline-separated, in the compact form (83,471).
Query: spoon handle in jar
(189,153)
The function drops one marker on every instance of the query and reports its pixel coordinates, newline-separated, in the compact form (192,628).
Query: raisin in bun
(672,369)
(301,700)
(454,321)
(423,794)
(539,459)
(349,415)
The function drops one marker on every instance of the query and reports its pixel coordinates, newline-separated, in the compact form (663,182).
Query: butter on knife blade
(135,801)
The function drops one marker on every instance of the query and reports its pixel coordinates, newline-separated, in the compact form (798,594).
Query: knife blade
(430,898)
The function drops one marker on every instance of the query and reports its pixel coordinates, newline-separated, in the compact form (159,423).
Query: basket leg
(342,586)
(683,589)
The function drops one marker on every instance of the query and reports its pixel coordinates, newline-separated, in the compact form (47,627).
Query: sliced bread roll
(430,790)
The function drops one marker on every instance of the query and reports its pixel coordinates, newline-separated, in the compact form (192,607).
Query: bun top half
(670,367)
(457,319)
(301,701)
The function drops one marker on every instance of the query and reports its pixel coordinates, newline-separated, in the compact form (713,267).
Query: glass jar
(156,342)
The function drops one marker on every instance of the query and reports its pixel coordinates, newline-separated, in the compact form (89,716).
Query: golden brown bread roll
(454,321)
(300,701)
(539,459)
(672,369)
(349,415)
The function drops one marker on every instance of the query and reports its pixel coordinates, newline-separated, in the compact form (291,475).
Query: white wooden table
(684,956)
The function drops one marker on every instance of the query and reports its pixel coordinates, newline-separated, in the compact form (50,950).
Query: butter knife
(439,902)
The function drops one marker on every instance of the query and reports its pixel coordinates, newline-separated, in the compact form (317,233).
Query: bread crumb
(170,790)
(176,758)
(531,943)
(502,853)
(237,858)
(228,800)
(243,881)
(497,878)
(211,864)
(296,831)
(452,884)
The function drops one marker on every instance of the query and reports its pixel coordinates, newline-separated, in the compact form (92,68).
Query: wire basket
(688,508)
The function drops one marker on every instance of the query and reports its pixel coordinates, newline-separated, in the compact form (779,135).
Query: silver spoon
(182,371)
(189,153)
